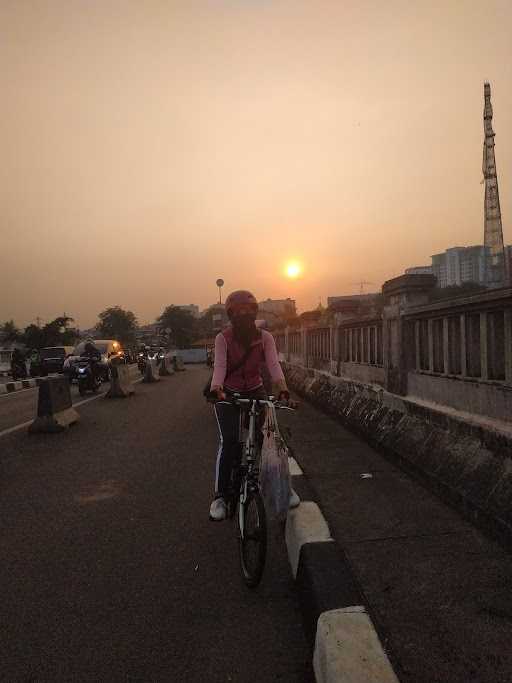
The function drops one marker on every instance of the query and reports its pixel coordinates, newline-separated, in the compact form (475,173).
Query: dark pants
(230,448)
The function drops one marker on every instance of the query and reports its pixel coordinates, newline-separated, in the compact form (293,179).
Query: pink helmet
(240,298)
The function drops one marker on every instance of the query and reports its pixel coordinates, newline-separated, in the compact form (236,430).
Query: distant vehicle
(88,378)
(110,350)
(52,358)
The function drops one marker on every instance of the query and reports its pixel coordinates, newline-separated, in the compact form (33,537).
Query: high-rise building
(493,230)
(278,306)
(460,264)
(419,270)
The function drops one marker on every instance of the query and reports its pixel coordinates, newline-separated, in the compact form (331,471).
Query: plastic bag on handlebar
(275,483)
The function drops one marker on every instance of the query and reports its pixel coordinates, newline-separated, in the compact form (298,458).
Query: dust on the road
(99,491)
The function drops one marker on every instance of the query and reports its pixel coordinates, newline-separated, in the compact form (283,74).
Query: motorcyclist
(35,362)
(93,355)
(18,365)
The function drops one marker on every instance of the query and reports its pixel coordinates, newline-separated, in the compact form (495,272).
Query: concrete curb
(32,383)
(11,387)
(345,644)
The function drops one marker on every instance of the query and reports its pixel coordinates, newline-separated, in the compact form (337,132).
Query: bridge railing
(456,352)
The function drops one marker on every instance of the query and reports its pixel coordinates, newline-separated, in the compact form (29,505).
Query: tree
(181,323)
(57,332)
(116,323)
(9,333)
(33,337)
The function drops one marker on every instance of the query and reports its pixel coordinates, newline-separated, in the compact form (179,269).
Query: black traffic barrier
(55,410)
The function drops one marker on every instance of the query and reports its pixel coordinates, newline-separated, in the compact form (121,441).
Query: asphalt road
(21,406)
(110,569)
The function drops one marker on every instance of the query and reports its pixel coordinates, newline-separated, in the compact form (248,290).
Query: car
(110,349)
(52,358)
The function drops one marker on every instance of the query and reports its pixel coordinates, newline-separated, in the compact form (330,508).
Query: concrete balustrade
(456,352)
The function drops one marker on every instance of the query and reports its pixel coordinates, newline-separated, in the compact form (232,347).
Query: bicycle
(244,499)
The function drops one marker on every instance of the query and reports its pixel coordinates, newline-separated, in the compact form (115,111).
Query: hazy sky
(149,147)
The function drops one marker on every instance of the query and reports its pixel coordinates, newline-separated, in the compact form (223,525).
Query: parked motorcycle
(88,378)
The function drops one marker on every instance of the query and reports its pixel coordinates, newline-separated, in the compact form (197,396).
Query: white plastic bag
(275,484)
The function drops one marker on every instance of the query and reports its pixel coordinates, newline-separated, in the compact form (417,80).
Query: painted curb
(345,644)
(12,387)
(33,382)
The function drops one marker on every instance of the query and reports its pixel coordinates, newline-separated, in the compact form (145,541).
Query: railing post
(304,345)
(430,345)
(463,346)
(446,347)
(417,329)
(484,367)
(508,345)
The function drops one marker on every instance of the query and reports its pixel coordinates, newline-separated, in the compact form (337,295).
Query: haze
(150,147)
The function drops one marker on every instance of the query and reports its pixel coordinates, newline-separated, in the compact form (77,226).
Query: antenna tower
(493,230)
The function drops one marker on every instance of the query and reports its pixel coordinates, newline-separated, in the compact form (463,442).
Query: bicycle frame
(245,490)
(249,473)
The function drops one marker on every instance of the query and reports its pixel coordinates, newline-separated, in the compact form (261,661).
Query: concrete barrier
(151,373)
(120,383)
(179,365)
(166,366)
(467,460)
(55,410)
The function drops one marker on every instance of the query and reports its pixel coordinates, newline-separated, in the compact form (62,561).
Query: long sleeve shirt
(270,355)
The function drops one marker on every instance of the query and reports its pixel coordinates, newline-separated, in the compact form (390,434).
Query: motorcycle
(141,363)
(88,379)
(18,370)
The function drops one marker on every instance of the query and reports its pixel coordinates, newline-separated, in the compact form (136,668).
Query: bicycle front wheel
(252,527)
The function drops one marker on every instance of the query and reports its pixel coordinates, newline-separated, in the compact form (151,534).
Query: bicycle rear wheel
(252,527)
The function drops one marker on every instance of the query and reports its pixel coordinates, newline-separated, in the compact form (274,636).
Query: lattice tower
(493,230)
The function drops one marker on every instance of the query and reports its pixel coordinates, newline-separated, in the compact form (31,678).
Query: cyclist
(240,351)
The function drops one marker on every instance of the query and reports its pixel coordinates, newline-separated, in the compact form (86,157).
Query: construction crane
(361,285)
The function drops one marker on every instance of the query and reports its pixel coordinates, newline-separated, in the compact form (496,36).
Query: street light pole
(220,284)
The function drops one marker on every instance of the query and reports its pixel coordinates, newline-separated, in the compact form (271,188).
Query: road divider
(120,382)
(11,387)
(151,371)
(55,410)
(179,365)
(166,366)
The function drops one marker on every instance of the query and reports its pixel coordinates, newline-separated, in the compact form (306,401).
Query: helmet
(238,299)
(89,347)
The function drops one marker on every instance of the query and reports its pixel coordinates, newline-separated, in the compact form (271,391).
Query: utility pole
(493,229)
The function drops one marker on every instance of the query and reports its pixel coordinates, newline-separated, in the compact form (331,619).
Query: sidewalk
(438,591)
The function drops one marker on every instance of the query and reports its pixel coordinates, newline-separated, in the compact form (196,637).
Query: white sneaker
(218,510)
(294,499)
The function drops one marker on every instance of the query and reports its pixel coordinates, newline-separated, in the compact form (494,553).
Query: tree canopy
(116,323)
(9,333)
(181,323)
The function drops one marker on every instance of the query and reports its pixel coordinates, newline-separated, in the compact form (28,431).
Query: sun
(293,269)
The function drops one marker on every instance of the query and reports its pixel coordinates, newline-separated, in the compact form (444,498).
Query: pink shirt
(270,355)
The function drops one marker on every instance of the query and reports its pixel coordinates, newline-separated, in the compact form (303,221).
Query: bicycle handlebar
(259,401)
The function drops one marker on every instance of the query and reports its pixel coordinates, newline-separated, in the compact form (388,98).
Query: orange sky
(150,147)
